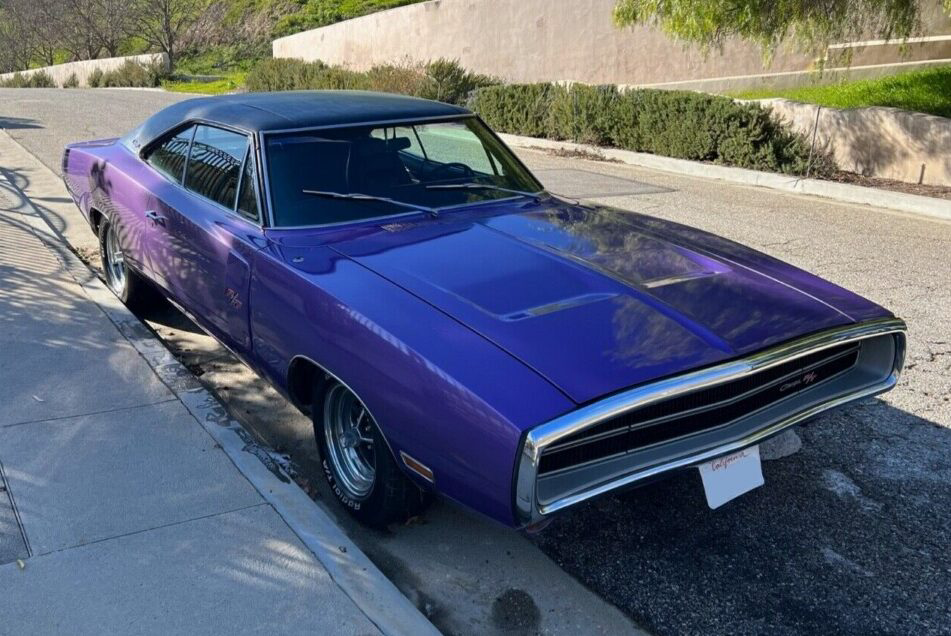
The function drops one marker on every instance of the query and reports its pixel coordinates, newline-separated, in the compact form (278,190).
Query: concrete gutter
(375,595)
(914,204)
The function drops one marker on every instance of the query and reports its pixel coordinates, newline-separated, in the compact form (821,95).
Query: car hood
(596,299)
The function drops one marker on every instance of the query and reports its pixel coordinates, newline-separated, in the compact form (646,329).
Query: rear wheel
(124,282)
(357,462)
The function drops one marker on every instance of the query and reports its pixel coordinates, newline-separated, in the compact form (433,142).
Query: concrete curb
(914,204)
(375,595)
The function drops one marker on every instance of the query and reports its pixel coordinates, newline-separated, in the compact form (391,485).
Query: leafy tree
(813,24)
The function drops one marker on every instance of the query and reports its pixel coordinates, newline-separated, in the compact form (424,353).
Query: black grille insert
(698,411)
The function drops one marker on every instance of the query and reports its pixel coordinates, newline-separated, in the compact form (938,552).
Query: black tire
(134,291)
(391,497)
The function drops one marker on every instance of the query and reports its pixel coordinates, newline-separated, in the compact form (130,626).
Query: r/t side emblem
(233,298)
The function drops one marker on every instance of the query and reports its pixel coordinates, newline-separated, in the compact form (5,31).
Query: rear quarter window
(169,157)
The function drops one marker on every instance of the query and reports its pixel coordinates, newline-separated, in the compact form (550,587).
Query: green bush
(678,124)
(15,81)
(41,79)
(95,78)
(71,82)
(447,81)
(282,74)
(132,74)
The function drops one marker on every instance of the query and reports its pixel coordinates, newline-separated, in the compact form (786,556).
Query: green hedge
(680,124)
(443,80)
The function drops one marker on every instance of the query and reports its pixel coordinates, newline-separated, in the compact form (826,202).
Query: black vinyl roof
(256,112)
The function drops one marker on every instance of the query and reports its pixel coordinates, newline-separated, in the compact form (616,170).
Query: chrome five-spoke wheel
(359,466)
(348,431)
(114,261)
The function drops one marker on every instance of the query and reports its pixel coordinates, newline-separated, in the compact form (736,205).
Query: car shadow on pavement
(848,536)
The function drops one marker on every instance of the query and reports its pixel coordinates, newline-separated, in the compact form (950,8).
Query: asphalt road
(849,535)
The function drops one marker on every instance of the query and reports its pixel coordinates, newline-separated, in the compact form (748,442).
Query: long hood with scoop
(597,300)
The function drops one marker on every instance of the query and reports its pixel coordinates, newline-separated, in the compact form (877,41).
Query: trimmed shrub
(95,78)
(581,113)
(521,109)
(680,124)
(71,82)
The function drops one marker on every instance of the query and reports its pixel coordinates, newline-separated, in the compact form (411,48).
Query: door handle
(155,217)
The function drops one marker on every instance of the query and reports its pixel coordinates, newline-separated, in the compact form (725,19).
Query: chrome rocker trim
(529,511)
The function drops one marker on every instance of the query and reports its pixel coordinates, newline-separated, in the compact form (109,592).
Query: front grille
(699,411)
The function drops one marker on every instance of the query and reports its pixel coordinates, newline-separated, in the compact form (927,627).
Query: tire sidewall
(361,508)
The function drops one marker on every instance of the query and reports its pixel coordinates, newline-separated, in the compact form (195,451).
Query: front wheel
(357,463)
(125,283)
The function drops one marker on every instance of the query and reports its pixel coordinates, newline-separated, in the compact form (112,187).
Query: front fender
(440,392)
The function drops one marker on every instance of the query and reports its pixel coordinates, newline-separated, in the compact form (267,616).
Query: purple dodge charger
(400,276)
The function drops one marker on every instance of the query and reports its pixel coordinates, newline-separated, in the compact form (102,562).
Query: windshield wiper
(356,196)
(482,186)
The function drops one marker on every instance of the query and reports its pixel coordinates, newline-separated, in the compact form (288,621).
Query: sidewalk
(120,512)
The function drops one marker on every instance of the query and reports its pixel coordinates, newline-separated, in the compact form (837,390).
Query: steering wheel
(448,170)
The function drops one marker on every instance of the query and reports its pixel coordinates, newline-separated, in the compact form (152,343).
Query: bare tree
(36,27)
(166,24)
(15,49)
(94,26)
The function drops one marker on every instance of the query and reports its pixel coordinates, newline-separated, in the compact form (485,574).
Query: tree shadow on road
(15,123)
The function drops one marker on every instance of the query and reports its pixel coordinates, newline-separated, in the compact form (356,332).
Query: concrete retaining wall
(877,142)
(61,72)
(568,40)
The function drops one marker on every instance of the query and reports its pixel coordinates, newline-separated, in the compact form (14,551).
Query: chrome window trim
(527,508)
(237,190)
(233,211)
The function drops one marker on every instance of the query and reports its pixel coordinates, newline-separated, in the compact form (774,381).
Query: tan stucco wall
(61,72)
(879,142)
(551,40)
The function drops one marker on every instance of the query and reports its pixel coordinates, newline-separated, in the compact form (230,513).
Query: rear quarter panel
(104,176)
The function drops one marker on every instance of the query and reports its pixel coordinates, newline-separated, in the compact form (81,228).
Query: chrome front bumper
(877,371)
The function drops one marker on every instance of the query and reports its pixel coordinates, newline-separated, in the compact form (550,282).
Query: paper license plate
(728,477)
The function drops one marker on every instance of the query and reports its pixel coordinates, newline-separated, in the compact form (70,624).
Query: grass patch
(232,82)
(927,91)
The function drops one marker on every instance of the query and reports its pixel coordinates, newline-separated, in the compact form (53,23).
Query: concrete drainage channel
(465,574)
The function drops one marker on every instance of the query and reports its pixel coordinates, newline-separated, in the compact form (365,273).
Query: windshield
(430,165)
